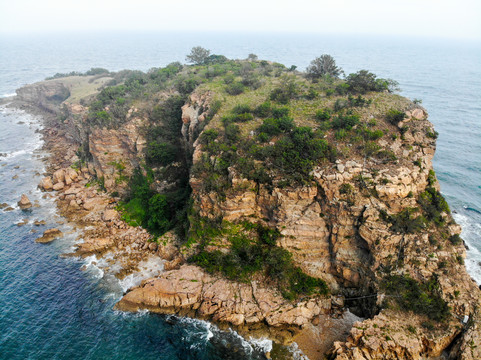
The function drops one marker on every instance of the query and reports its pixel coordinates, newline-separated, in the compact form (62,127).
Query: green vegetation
(252,249)
(421,298)
(325,65)
(404,222)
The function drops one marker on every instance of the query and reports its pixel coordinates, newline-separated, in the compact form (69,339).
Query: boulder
(109,215)
(24,202)
(49,235)
(59,186)
(46,183)
(58,176)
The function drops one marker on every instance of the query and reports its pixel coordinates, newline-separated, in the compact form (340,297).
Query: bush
(345,121)
(323,115)
(364,81)
(433,204)
(241,109)
(421,298)
(286,91)
(455,239)
(235,88)
(404,222)
(276,126)
(160,153)
(395,116)
(263,110)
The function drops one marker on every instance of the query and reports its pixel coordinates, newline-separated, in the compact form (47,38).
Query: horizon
(426,19)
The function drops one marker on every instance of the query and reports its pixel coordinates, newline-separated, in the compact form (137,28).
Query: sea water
(50,309)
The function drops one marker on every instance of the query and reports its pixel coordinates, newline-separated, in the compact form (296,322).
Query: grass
(82,87)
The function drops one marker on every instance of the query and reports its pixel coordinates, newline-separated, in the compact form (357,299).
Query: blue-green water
(50,309)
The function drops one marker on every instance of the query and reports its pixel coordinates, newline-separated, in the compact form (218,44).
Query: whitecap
(471,234)
(151,267)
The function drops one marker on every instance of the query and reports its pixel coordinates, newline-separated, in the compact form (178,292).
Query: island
(275,201)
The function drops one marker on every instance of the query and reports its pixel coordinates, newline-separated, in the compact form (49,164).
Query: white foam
(471,234)
(8,95)
(297,353)
(149,268)
(262,344)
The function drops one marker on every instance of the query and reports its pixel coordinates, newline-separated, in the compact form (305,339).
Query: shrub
(404,222)
(241,109)
(421,298)
(276,126)
(286,91)
(345,121)
(263,110)
(281,112)
(455,239)
(395,116)
(160,153)
(235,88)
(364,81)
(158,214)
(323,115)
(434,204)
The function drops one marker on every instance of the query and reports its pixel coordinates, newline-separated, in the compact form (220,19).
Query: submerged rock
(49,235)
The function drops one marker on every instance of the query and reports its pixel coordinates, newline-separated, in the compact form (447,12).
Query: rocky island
(274,202)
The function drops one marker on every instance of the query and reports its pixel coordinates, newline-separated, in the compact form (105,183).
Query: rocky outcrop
(49,236)
(194,114)
(116,152)
(24,202)
(46,95)
(191,291)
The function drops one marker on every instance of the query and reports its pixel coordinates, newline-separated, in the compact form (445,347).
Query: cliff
(279,204)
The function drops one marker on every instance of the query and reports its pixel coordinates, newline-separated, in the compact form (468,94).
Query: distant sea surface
(50,309)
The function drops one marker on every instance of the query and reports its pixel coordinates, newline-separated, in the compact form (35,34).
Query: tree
(322,66)
(198,55)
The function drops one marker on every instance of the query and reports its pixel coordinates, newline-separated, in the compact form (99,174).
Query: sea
(53,307)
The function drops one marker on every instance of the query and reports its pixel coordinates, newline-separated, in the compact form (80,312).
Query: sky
(460,19)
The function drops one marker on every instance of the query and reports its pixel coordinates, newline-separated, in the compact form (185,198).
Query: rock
(190,290)
(39,222)
(9,209)
(93,246)
(23,222)
(153,246)
(110,215)
(49,235)
(58,176)
(72,174)
(58,186)
(3,205)
(46,183)
(24,202)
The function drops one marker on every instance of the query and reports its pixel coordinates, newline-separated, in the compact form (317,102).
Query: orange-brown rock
(191,291)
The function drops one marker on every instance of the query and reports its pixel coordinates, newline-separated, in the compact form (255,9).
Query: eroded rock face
(46,95)
(190,291)
(116,152)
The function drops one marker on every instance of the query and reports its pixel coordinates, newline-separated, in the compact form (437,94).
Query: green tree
(198,55)
(322,66)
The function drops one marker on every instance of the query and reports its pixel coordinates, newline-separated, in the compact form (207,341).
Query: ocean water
(51,309)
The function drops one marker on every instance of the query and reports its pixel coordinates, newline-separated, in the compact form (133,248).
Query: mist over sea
(50,309)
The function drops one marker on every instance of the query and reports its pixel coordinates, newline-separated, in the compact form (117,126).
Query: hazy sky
(440,18)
